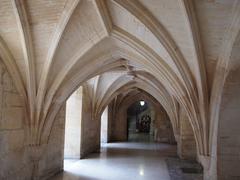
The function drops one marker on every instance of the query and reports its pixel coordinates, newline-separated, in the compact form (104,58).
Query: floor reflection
(123,161)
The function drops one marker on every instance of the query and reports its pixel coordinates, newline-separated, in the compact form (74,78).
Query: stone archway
(162,127)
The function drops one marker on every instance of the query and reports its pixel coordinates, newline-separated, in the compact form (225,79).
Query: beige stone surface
(184,53)
(104,126)
(73,125)
(186,143)
(90,126)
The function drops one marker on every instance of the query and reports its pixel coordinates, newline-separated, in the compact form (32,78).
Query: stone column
(163,128)
(186,142)
(47,158)
(119,125)
(90,127)
(110,119)
(207,171)
(73,125)
(36,153)
(104,126)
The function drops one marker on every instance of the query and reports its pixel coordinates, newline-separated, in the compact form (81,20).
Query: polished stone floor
(122,161)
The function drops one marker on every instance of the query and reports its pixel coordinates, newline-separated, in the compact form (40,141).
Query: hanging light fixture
(142,103)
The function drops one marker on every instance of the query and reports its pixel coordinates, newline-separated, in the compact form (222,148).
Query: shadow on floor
(183,169)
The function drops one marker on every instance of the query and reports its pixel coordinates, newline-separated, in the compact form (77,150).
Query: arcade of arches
(182,57)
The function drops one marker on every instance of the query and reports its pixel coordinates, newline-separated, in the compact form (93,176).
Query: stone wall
(163,131)
(52,158)
(186,142)
(119,124)
(110,120)
(228,154)
(104,126)
(15,158)
(90,127)
(73,125)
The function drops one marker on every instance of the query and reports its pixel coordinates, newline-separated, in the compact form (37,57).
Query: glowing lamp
(142,103)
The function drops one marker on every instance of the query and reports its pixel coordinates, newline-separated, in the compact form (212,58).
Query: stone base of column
(208,172)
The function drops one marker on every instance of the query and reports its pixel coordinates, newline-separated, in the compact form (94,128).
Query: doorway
(139,120)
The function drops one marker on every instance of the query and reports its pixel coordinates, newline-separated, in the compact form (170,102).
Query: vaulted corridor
(70,70)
